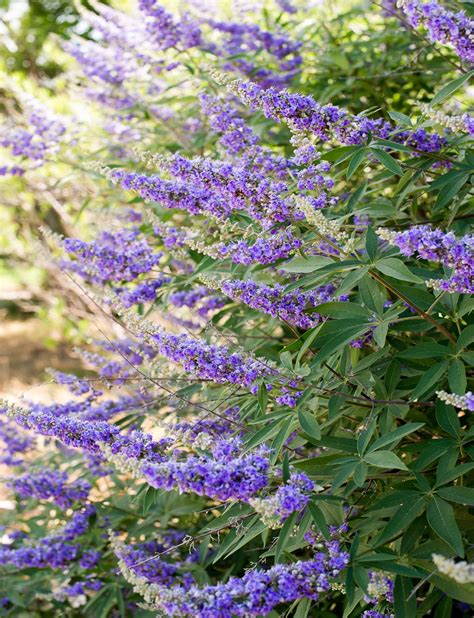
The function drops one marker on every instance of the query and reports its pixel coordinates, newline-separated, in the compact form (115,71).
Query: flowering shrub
(275,419)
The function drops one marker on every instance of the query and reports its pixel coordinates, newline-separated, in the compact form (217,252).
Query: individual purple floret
(50,484)
(443,26)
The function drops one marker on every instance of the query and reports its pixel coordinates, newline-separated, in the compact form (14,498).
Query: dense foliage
(266,214)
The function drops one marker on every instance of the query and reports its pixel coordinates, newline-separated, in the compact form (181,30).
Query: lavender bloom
(443,26)
(380,588)
(89,559)
(290,307)
(227,476)
(15,443)
(153,569)
(210,362)
(265,250)
(254,594)
(464,402)
(165,32)
(246,189)
(118,256)
(327,122)
(198,298)
(172,194)
(52,484)
(289,498)
(39,140)
(374,613)
(54,551)
(144,292)
(236,135)
(286,6)
(244,38)
(442,247)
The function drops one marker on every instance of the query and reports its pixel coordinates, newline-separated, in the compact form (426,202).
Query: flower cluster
(50,483)
(113,257)
(291,307)
(462,572)
(254,594)
(443,26)
(380,587)
(54,551)
(227,475)
(39,140)
(291,497)
(438,246)
(464,402)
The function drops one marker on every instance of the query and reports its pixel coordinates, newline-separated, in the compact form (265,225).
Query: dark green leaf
(441,519)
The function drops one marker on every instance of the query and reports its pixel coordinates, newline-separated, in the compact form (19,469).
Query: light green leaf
(309,424)
(393,267)
(385,459)
(450,88)
(387,161)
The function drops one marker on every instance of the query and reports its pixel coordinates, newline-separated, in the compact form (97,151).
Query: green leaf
(403,599)
(393,267)
(331,347)
(357,196)
(262,397)
(448,419)
(401,520)
(450,88)
(400,118)
(319,520)
(441,519)
(342,310)
(431,377)
(261,435)
(387,161)
(380,333)
(360,474)
(356,160)
(465,338)
(385,459)
(457,377)
(461,495)
(309,424)
(280,438)
(285,535)
(371,242)
(394,436)
(306,265)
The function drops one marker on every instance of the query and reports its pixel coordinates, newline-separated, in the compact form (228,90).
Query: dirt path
(24,357)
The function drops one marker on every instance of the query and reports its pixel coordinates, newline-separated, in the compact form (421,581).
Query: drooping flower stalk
(292,307)
(254,594)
